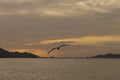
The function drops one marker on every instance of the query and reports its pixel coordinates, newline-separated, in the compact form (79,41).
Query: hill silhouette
(108,55)
(6,54)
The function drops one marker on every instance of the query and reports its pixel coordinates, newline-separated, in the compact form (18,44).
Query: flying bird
(58,48)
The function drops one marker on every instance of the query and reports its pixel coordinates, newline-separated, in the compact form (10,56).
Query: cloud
(89,40)
(57,7)
(51,13)
(79,7)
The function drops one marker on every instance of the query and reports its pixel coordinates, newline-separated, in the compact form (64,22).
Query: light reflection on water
(59,69)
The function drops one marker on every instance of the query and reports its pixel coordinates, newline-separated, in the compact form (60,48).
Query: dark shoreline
(6,54)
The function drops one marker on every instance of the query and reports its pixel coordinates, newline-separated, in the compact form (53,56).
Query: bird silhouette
(58,48)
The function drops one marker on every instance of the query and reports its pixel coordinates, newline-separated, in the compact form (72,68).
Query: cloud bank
(85,41)
(57,7)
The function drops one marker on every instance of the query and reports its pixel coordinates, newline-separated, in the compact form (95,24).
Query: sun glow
(42,53)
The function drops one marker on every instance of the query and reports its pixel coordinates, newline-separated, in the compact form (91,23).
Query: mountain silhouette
(108,55)
(6,54)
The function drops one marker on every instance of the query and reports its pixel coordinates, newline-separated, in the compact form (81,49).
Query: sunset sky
(90,26)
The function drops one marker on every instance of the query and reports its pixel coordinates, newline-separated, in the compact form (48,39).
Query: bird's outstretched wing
(51,50)
(63,45)
(57,48)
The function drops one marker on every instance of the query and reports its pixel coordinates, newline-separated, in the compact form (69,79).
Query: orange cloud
(89,40)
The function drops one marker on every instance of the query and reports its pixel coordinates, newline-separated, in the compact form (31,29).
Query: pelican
(58,48)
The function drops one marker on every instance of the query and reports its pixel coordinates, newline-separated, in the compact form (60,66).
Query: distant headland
(108,55)
(6,54)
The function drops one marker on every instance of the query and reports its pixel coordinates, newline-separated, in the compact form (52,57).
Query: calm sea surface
(59,69)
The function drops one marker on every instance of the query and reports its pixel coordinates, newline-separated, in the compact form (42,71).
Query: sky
(90,27)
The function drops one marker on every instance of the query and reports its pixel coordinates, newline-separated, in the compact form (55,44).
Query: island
(6,54)
(108,55)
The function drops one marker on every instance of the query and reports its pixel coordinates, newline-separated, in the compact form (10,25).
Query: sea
(59,69)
